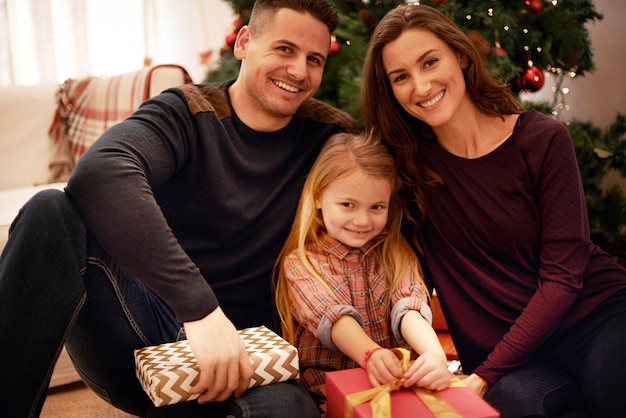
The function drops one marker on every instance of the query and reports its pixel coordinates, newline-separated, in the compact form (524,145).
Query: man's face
(281,67)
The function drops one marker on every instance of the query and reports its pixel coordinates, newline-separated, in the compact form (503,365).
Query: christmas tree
(520,39)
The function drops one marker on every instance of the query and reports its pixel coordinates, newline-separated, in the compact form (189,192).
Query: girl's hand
(383,367)
(430,371)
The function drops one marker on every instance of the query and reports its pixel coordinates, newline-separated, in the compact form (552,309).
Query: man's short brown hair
(320,9)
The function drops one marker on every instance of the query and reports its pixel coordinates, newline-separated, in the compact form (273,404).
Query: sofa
(45,129)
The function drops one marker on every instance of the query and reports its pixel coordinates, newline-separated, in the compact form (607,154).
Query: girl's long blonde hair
(342,155)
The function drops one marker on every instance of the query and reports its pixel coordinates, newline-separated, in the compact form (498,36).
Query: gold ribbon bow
(381,395)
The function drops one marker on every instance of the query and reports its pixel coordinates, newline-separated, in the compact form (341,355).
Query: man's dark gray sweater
(197,205)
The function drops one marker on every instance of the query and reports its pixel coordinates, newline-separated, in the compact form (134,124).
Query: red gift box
(404,402)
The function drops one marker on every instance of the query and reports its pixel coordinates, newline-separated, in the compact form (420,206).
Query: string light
(559,91)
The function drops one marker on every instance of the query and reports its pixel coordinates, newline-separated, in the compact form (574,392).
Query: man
(174,217)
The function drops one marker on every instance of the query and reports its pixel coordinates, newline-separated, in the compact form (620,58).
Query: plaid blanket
(87,107)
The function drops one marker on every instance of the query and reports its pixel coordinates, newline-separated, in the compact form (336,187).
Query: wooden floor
(76,400)
(68,397)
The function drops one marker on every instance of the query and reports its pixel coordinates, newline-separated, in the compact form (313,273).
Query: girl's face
(426,76)
(355,208)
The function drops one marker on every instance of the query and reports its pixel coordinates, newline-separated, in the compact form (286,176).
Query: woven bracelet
(368,354)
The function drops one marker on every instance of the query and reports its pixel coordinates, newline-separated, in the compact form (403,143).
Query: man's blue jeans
(57,286)
(578,375)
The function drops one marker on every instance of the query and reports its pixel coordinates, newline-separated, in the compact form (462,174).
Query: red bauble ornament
(571,62)
(531,79)
(534,6)
(230,39)
(499,51)
(368,18)
(334,48)
(238,23)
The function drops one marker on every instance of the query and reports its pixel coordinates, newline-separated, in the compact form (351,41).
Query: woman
(495,202)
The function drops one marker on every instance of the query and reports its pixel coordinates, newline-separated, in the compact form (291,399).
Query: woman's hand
(430,371)
(477,384)
(225,367)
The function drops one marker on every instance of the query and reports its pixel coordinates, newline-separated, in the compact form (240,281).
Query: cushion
(89,106)
(12,200)
(27,112)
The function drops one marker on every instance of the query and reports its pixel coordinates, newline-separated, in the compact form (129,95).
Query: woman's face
(426,76)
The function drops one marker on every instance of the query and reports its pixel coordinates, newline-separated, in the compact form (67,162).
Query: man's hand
(225,368)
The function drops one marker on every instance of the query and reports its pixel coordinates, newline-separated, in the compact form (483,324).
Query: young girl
(348,285)
(536,310)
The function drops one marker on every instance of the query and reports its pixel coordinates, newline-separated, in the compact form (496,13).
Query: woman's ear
(241,42)
(464,61)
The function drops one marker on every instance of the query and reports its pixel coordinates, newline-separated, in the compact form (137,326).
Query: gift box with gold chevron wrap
(168,371)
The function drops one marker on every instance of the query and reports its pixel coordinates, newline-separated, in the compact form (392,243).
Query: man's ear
(241,42)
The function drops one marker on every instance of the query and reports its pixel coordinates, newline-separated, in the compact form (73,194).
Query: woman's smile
(433,101)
